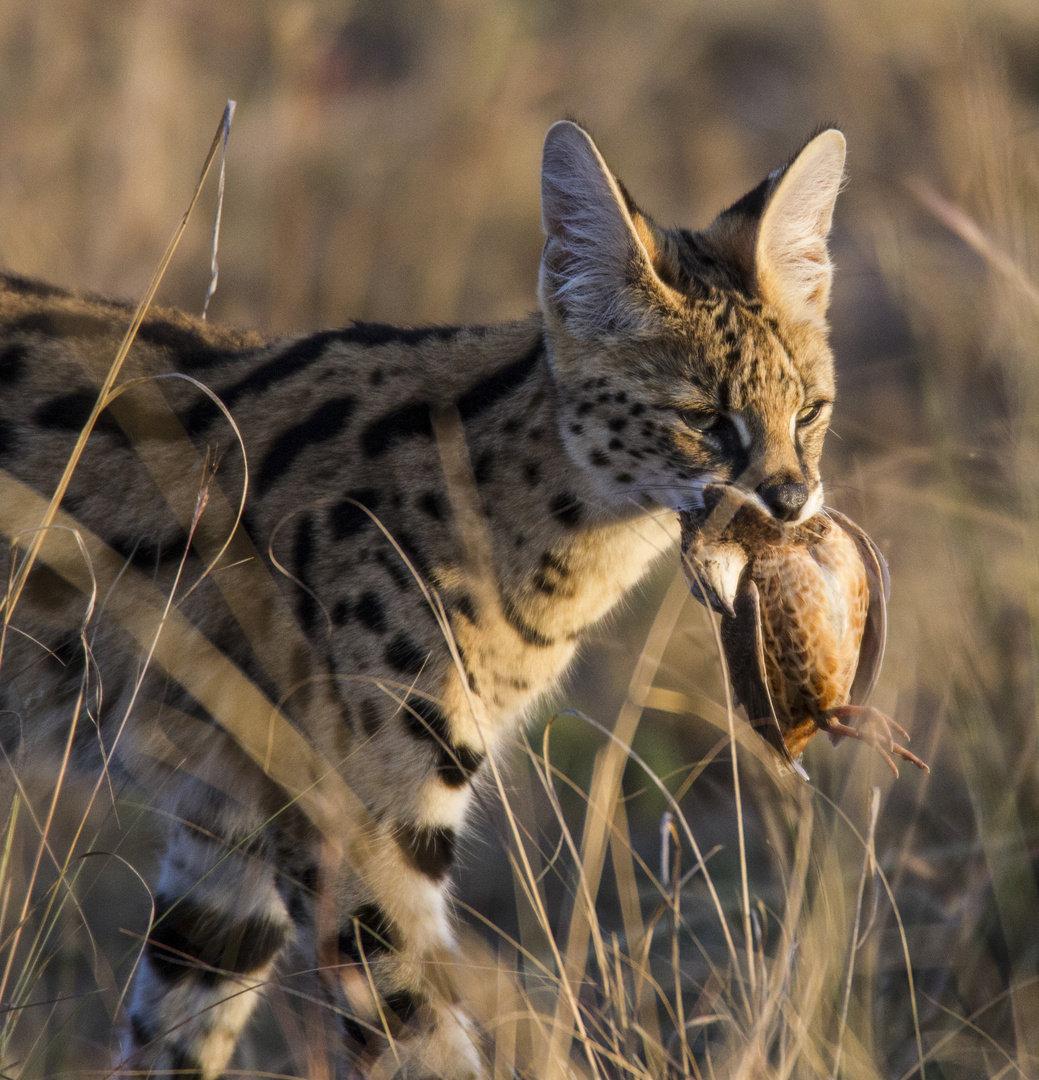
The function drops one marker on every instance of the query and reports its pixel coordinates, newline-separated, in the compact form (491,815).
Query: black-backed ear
(792,266)
(596,271)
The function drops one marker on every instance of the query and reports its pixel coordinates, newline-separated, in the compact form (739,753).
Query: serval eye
(810,413)
(701,420)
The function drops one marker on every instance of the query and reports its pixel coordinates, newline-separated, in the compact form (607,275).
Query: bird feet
(876,728)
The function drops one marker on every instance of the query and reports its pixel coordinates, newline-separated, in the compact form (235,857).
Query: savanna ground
(383,165)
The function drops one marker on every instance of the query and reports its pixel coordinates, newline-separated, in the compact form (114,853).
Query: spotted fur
(527,474)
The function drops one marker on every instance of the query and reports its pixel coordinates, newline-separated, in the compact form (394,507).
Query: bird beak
(713,572)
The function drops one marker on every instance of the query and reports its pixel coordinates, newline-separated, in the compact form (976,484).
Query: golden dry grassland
(716,921)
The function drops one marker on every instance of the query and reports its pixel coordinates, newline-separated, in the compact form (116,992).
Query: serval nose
(785,498)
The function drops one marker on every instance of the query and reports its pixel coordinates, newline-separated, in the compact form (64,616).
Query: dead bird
(804,622)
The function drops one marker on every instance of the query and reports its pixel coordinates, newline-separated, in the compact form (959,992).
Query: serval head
(684,359)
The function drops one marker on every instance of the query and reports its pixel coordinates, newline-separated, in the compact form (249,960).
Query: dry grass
(383,165)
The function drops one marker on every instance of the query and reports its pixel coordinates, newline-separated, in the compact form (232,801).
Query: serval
(309,679)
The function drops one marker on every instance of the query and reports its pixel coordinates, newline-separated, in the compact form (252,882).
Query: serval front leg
(219,927)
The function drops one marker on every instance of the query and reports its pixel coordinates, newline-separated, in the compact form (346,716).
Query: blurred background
(383,164)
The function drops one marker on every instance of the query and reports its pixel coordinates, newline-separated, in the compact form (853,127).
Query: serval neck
(563,555)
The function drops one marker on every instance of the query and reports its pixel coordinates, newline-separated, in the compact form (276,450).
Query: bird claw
(883,742)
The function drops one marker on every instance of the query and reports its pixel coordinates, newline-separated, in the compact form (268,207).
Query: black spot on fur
(189,347)
(567,509)
(551,574)
(425,721)
(373,934)
(324,423)
(430,850)
(193,938)
(624,478)
(483,470)
(413,420)
(398,572)
(551,561)
(308,349)
(465,607)
(300,354)
(8,439)
(618,423)
(458,765)
(346,519)
(303,552)
(532,472)
(408,421)
(435,505)
(69,412)
(13,362)
(599,457)
(377,377)
(341,613)
(488,392)
(369,612)
(290,360)
(616,444)
(146,554)
(527,633)
(577,429)
(404,655)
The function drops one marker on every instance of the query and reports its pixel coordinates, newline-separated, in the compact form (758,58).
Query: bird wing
(874,635)
(744,645)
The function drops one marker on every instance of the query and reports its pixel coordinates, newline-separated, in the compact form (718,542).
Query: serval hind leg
(219,927)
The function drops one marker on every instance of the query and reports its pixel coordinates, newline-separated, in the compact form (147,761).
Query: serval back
(434,517)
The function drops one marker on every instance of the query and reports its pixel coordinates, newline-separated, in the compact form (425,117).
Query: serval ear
(792,266)
(597,271)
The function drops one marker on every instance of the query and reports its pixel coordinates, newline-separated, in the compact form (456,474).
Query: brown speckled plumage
(803,630)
